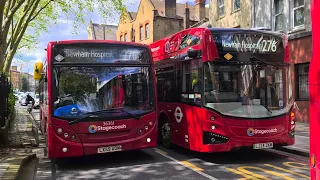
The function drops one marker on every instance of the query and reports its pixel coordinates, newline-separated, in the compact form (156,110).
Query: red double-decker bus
(91,97)
(314,95)
(220,89)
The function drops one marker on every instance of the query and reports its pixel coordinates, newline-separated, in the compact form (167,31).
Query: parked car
(36,101)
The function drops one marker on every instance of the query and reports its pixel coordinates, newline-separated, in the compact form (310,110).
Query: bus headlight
(59,130)
(212,118)
(213,127)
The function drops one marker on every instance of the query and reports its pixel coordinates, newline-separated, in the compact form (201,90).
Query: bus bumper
(147,140)
(236,143)
(60,148)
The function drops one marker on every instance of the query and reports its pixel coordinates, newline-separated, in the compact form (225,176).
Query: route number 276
(268,45)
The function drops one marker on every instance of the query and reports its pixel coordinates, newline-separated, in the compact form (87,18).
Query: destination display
(258,43)
(97,53)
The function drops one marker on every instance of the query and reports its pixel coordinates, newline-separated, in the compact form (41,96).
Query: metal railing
(5,88)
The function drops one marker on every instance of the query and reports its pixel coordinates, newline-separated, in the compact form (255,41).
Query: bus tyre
(164,132)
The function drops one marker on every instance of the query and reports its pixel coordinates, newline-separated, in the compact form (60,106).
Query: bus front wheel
(164,131)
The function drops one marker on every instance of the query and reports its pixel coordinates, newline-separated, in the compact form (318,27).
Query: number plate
(110,149)
(263,145)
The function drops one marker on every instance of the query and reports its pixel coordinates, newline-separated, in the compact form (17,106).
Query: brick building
(15,77)
(230,13)
(101,32)
(156,19)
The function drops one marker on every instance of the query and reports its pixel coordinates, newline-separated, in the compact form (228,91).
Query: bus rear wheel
(164,132)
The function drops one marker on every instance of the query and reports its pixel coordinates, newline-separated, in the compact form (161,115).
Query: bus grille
(212,138)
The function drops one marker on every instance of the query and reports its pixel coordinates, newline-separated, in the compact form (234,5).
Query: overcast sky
(64,31)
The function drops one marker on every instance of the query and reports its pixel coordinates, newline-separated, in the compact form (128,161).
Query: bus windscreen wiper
(87,115)
(96,113)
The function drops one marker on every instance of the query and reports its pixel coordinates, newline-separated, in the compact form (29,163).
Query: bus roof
(222,30)
(97,41)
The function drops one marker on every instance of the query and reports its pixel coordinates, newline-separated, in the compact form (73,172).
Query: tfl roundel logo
(250,132)
(92,128)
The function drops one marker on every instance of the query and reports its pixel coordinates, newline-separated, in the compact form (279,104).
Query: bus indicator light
(313,161)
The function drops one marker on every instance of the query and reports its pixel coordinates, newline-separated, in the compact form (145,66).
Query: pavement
(302,144)
(18,152)
(178,163)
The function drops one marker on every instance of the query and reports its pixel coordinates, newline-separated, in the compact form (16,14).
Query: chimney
(170,8)
(15,68)
(186,17)
(201,9)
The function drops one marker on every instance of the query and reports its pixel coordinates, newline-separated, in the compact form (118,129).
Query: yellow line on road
(160,151)
(247,176)
(300,165)
(243,169)
(288,171)
(192,166)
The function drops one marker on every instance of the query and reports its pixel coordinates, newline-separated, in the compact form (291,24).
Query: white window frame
(233,1)
(221,6)
(292,15)
(275,15)
(147,31)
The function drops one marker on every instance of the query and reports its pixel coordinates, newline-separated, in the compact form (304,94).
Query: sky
(63,31)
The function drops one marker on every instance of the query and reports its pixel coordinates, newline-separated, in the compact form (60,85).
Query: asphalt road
(177,163)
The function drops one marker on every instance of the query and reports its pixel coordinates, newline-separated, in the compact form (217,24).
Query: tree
(22,21)
(24,84)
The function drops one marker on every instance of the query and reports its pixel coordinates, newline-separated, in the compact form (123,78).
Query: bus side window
(191,80)
(166,85)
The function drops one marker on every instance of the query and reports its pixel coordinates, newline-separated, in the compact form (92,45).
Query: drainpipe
(253,3)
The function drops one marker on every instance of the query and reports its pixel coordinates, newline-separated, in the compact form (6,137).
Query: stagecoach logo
(252,131)
(94,128)
(59,58)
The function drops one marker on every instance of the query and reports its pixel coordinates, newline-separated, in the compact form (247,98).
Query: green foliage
(11,101)
(25,84)
(76,84)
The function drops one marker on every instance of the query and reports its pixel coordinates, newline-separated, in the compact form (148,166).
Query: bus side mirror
(192,53)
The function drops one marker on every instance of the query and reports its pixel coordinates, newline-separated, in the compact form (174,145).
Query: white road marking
(178,162)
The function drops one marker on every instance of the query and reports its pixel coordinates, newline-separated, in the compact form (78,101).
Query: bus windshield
(83,89)
(250,91)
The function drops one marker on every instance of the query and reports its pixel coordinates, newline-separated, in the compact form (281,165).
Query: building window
(121,38)
(125,37)
(236,5)
(147,30)
(133,35)
(302,92)
(278,15)
(221,8)
(141,33)
(298,13)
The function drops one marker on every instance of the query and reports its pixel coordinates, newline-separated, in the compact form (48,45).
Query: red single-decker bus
(220,89)
(97,97)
